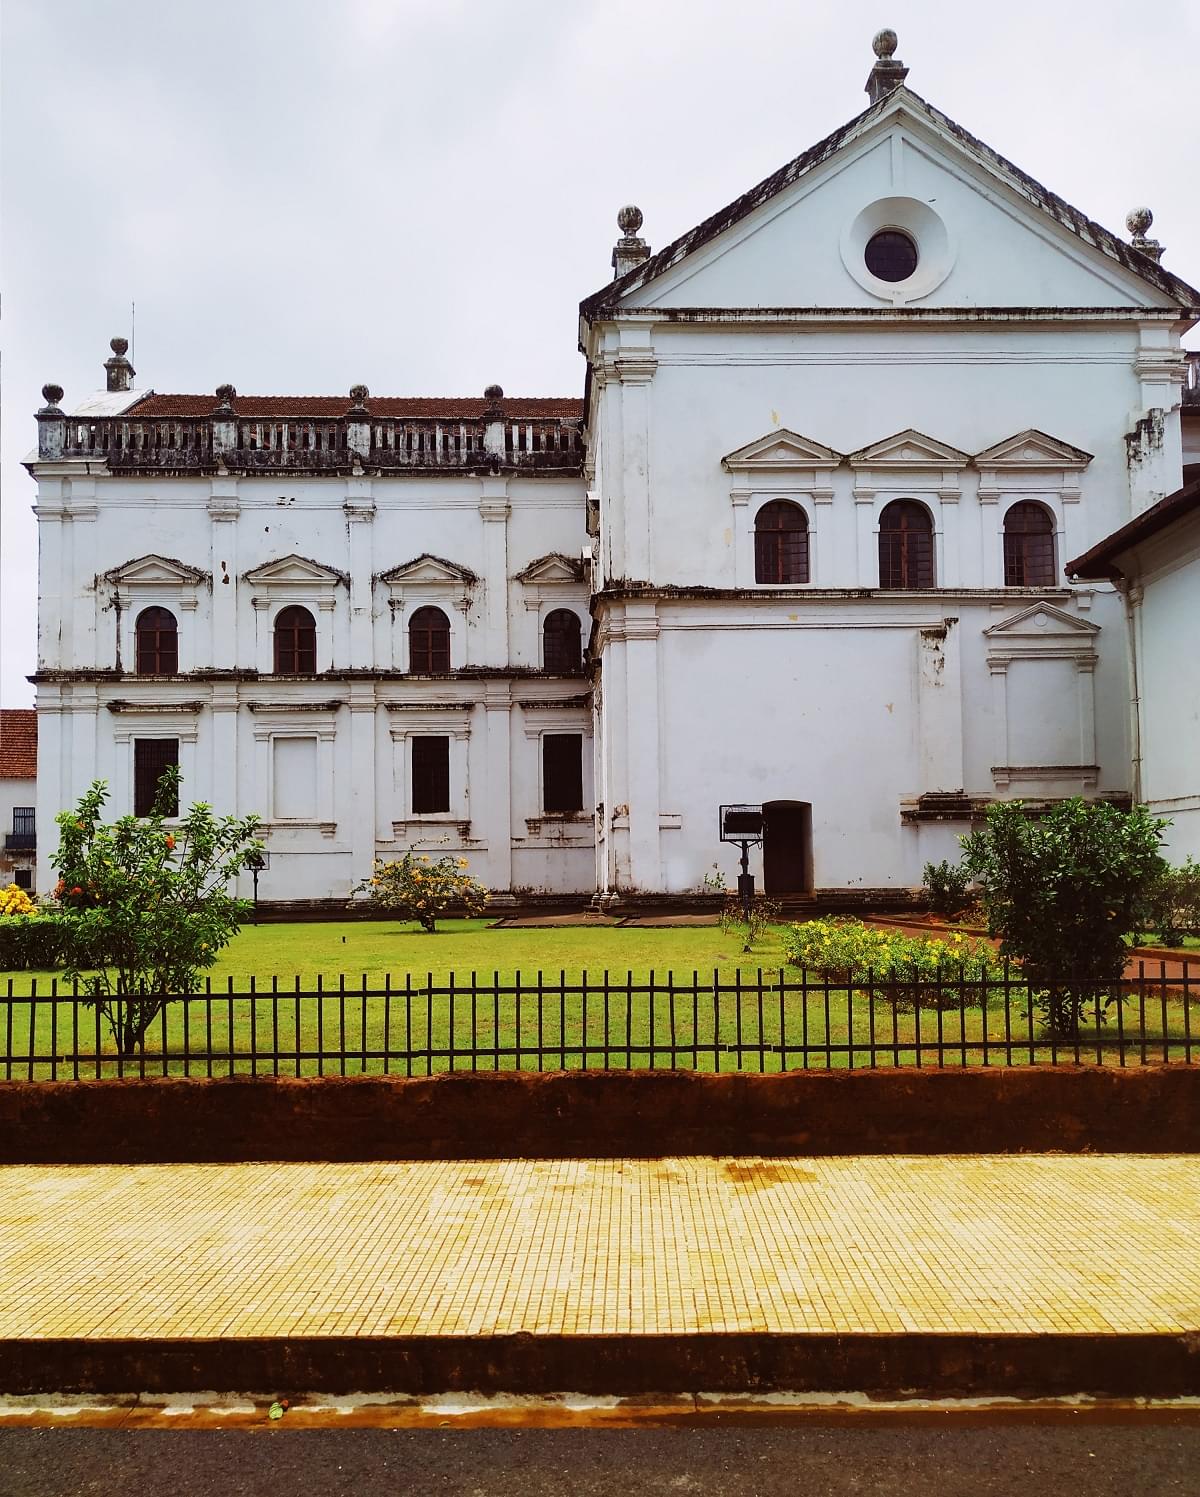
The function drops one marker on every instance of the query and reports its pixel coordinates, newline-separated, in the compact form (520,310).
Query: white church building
(802,544)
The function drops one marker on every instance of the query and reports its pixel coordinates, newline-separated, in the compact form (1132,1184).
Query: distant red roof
(18,743)
(331,407)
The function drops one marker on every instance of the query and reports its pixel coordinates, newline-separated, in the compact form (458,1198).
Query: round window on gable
(891,255)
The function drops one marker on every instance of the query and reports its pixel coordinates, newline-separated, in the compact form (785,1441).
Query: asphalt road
(800,1462)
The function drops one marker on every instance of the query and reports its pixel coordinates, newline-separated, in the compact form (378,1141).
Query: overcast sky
(302,194)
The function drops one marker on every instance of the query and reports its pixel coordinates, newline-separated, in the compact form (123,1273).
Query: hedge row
(31,943)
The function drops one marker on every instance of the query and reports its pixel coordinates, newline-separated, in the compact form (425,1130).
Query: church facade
(801,545)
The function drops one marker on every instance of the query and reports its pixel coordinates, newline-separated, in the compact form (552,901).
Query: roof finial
(119,370)
(888,72)
(629,250)
(1138,221)
(358,394)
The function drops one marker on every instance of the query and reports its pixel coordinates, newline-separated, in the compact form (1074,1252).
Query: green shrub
(31,943)
(1172,905)
(946,888)
(921,970)
(1061,890)
(764,913)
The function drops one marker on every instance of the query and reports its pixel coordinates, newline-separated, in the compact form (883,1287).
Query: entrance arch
(787,847)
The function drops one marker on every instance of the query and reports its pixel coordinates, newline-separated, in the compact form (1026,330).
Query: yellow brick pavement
(986,1244)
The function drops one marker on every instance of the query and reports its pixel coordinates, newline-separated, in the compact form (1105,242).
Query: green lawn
(700,1021)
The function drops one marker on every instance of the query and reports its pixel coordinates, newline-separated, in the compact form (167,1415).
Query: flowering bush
(144,908)
(15,901)
(925,971)
(420,889)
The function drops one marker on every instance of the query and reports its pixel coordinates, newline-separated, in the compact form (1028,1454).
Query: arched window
(157,642)
(905,545)
(561,644)
(429,641)
(295,643)
(1028,546)
(781,543)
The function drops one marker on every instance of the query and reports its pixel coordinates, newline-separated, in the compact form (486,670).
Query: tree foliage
(1060,891)
(145,906)
(420,889)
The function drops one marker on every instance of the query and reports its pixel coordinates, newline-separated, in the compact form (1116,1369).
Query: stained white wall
(322,760)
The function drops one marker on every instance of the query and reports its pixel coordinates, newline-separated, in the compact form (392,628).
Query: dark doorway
(787,847)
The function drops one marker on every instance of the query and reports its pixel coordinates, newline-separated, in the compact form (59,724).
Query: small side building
(18,780)
(1154,563)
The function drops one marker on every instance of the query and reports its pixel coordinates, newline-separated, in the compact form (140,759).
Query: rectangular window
(150,757)
(562,772)
(23,878)
(294,795)
(24,821)
(430,775)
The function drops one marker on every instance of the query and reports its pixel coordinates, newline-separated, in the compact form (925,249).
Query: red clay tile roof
(18,743)
(331,407)
(1099,564)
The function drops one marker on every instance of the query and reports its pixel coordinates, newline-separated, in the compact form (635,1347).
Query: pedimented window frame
(908,465)
(1030,464)
(429,580)
(1043,632)
(289,580)
(551,582)
(409,720)
(785,465)
(154,581)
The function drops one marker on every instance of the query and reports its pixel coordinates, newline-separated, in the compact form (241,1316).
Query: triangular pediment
(781,449)
(1041,621)
(428,568)
(909,449)
(1033,449)
(552,568)
(788,243)
(155,571)
(297,571)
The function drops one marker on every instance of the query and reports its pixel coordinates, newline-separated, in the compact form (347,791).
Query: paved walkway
(983,1245)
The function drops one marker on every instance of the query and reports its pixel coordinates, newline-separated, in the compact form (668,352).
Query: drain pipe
(1131,596)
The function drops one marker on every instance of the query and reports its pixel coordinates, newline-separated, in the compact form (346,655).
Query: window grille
(905,546)
(295,643)
(561,641)
(429,642)
(430,775)
(562,772)
(781,543)
(157,636)
(1028,546)
(150,757)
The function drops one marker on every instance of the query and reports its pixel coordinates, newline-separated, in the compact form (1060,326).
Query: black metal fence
(733,1021)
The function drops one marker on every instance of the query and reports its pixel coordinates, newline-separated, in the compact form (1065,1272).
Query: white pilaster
(641,687)
(498,810)
(494,511)
(223,511)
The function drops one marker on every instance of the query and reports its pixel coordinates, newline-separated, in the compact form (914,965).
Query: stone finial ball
(885,42)
(119,346)
(225,392)
(493,392)
(1138,221)
(52,394)
(629,219)
(359,393)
